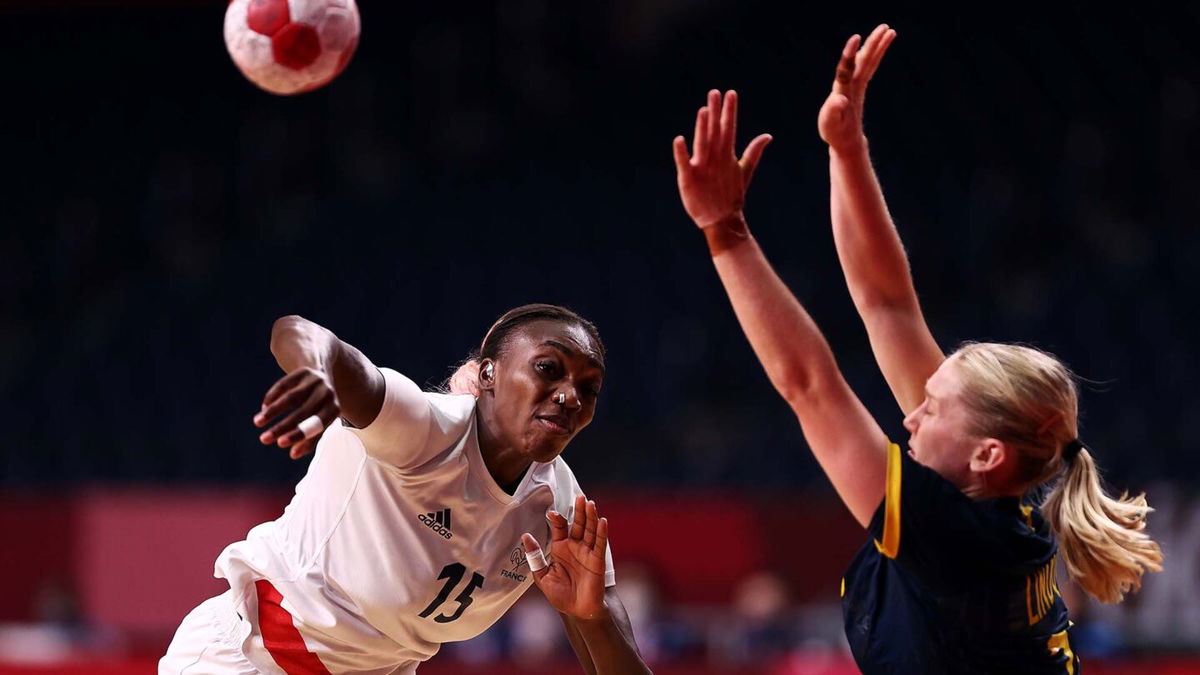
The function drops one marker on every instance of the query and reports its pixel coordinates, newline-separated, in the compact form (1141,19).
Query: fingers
(281,386)
(857,65)
(317,401)
(700,140)
(534,556)
(728,125)
(679,148)
(871,62)
(590,524)
(753,154)
(289,399)
(872,52)
(872,41)
(299,395)
(302,448)
(286,393)
(714,120)
(530,543)
(298,400)
(716,132)
(601,537)
(327,414)
(558,526)
(579,521)
(845,67)
(595,529)
(851,46)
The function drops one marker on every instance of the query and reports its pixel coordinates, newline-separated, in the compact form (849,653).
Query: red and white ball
(291,46)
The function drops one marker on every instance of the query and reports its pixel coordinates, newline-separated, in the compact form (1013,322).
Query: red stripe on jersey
(280,636)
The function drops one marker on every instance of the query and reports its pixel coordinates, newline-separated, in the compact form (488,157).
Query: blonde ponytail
(1028,399)
(1102,539)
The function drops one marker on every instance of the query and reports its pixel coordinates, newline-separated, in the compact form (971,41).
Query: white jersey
(397,540)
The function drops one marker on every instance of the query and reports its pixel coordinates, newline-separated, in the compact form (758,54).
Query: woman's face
(542,360)
(940,438)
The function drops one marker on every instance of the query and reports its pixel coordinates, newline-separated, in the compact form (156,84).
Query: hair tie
(1071,449)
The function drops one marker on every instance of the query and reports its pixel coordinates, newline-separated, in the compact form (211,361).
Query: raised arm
(325,377)
(845,439)
(868,244)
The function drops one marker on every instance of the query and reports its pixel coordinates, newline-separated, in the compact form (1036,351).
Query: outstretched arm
(595,620)
(845,439)
(325,377)
(868,244)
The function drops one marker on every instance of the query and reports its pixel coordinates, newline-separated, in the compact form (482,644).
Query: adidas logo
(438,521)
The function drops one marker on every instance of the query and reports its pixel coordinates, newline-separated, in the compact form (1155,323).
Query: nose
(568,398)
(910,420)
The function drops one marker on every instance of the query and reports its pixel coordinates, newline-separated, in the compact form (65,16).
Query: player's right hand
(300,394)
(573,582)
(840,119)
(712,179)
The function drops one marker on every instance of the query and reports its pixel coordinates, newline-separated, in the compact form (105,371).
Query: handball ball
(291,46)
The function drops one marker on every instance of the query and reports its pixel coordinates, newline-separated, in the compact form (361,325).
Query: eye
(547,368)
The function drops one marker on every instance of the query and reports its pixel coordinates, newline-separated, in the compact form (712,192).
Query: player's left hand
(573,582)
(713,181)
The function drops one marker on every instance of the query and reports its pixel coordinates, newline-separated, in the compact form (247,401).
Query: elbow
(284,321)
(798,386)
(808,390)
(280,328)
(288,329)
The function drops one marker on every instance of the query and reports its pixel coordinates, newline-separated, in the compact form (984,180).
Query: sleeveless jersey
(949,584)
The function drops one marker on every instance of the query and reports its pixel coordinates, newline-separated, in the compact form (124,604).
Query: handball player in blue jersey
(968,527)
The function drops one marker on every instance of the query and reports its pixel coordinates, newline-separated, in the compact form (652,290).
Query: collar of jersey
(479,469)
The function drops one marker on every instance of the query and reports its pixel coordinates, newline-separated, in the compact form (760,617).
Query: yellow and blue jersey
(948,584)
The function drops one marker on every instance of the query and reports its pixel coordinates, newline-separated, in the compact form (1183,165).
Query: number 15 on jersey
(453,574)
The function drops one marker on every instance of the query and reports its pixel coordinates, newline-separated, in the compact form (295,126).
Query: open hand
(840,119)
(713,181)
(573,583)
(302,393)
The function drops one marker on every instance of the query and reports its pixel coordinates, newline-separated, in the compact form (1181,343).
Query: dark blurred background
(159,212)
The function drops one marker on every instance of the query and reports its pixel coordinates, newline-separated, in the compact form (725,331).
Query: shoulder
(1031,541)
(403,395)
(450,410)
(561,480)
(413,425)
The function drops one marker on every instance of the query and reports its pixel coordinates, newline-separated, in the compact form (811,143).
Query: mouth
(555,424)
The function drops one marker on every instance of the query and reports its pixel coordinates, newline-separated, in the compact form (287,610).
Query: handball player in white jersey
(423,516)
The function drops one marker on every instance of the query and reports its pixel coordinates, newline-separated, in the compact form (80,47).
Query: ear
(487,374)
(989,455)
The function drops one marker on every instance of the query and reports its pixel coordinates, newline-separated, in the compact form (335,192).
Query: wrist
(595,628)
(849,147)
(601,616)
(727,233)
